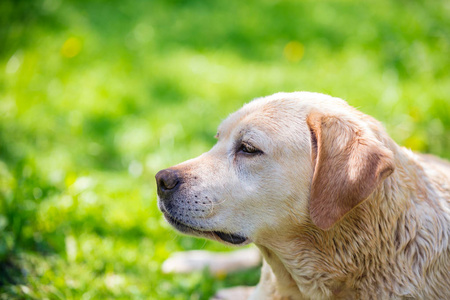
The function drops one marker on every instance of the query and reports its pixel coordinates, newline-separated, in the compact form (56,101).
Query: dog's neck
(339,263)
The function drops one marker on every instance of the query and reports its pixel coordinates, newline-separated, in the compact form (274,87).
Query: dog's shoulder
(435,162)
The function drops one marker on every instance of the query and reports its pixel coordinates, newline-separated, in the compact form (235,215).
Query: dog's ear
(349,163)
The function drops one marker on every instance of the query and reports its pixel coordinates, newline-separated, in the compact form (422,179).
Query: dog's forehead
(263,114)
(250,119)
(280,112)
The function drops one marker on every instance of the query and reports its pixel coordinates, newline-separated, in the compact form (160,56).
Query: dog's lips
(231,238)
(234,239)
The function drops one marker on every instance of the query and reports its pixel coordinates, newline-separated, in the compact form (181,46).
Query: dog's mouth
(234,239)
(231,238)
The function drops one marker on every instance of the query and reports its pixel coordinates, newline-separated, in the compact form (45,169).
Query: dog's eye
(249,149)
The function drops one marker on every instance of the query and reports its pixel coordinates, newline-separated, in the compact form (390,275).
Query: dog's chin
(224,237)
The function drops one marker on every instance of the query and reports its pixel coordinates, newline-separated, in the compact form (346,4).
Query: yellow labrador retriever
(336,207)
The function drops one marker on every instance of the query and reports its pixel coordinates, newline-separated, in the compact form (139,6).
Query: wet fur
(339,212)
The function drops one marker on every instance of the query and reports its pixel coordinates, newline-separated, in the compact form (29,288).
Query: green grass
(97,96)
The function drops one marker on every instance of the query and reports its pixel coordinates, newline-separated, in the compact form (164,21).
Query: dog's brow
(251,136)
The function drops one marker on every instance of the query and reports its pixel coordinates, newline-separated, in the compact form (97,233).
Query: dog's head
(280,161)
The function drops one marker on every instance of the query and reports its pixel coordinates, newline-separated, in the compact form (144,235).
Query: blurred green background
(97,96)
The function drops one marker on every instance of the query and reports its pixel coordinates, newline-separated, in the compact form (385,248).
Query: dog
(337,209)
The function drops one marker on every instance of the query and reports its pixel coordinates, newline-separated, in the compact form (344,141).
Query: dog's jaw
(224,237)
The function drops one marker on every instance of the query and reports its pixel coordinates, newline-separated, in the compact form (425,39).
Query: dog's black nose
(167,180)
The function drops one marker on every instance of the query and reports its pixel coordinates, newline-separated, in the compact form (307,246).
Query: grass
(97,96)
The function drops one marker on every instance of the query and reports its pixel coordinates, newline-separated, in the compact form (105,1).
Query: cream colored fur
(386,236)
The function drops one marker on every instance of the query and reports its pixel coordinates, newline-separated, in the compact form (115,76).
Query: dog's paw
(217,263)
(235,293)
